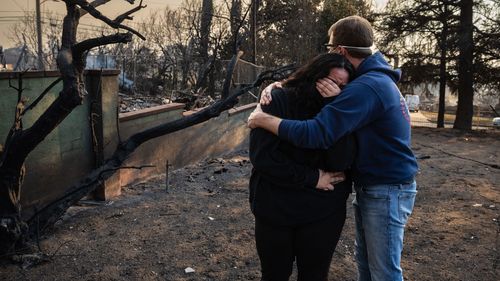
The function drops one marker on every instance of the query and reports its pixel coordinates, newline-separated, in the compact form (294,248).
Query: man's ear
(342,50)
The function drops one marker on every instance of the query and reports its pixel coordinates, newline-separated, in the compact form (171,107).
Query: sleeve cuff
(312,178)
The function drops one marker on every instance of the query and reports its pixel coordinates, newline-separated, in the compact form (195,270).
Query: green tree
(334,10)
(419,31)
(436,40)
(465,110)
(294,31)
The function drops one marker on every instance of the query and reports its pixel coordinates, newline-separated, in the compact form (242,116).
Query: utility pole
(253,29)
(2,58)
(39,36)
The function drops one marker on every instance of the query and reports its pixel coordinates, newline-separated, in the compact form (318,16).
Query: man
(373,109)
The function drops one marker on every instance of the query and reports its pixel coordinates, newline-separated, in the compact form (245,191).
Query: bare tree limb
(18,89)
(80,48)
(97,3)
(17,125)
(229,74)
(211,14)
(126,15)
(52,212)
(40,97)
(98,15)
(236,33)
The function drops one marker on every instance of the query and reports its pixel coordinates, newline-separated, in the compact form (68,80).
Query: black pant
(311,245)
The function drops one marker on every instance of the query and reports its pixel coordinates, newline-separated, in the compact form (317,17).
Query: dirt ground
(203,222)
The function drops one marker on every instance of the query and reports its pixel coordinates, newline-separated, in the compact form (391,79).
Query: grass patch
(450,118)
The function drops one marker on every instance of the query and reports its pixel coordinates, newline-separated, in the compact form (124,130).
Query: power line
(17,4)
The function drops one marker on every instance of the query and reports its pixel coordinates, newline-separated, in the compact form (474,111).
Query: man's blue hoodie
(372,107)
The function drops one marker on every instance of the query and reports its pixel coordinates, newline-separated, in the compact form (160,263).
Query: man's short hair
(353,31)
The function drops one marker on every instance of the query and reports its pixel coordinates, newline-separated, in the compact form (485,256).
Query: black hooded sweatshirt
(284,177)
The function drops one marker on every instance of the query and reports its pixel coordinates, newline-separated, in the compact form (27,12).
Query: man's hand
(260,119)
(328,179)
(265,95)
(254,117)
(327,88)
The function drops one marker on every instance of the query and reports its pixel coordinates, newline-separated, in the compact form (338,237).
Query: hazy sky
(11,10)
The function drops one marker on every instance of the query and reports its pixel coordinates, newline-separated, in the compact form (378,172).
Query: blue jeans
(381,212)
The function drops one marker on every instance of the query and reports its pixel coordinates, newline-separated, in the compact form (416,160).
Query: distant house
(19,58)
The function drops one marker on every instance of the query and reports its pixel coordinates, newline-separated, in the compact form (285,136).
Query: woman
(297,217)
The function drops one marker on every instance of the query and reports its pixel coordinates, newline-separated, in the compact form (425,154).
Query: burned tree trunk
(12,229)
(205,25)
(20,142)
(443,46)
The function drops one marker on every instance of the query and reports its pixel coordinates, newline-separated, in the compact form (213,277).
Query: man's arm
(277,167)
(260,119)
(353,109)
(281,170)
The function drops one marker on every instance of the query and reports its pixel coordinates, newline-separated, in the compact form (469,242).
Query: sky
(11,10)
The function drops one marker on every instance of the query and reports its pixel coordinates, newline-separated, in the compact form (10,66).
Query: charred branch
(98,15)
(229,74)
(236,40)
(40,97)
(84,46)
(47,216)
(127,15)
(97,3)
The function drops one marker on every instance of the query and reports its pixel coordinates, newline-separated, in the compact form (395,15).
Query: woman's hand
(327,88)
(328,179)
(265,95)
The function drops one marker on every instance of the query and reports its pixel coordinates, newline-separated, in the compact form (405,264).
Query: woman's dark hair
(302,83)
(317,68)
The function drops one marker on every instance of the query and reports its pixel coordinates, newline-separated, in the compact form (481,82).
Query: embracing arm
(351,110)
(277,166)
(260,119)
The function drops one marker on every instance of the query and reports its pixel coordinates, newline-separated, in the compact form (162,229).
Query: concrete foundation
(92,131)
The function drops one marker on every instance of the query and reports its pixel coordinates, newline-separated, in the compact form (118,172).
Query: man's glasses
(369,50)
(330,47)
